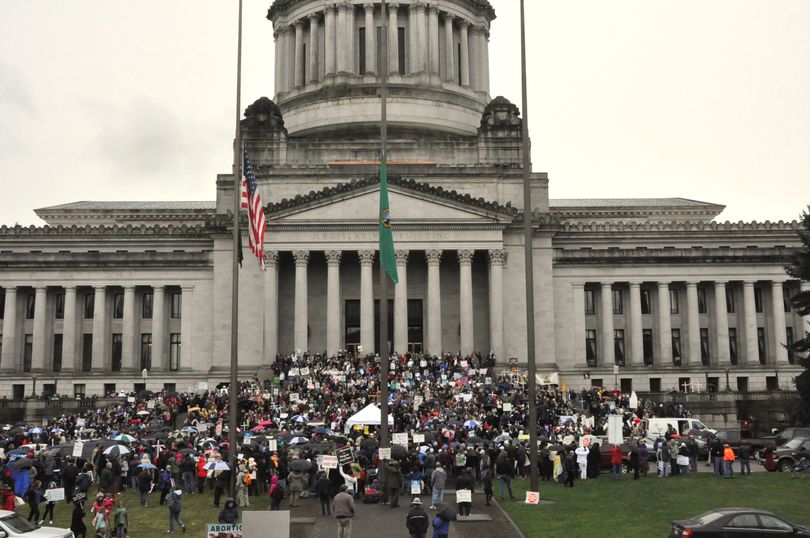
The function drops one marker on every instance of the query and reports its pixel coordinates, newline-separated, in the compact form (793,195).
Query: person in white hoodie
(582,460)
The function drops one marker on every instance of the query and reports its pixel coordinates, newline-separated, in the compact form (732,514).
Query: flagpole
(529,266)
(383,276)
(233,389)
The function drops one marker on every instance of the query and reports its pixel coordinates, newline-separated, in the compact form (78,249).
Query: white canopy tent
(368,416)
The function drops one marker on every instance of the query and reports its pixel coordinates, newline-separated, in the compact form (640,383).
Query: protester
(324,491)
(175,504)
(417,520)
(728,459)
(437,480)
(229,512)
(121,519)
(343,508)
(77,521)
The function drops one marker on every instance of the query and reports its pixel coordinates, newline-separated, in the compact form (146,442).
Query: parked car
(787,434)
(735,438)
(735,522)
(789,454)
(13,525)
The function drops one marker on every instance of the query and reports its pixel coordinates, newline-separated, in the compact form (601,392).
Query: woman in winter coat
(276,493)
(643,457)
(202,474)
(297,481)
(144,486)
(229,512)
(34,497)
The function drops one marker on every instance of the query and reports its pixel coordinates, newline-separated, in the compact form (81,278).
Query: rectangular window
(117,349)
(118,305)
(673,301)
(146,351)
(177,305)
(789,341)
(458,64)
(415,331)
(79,390)
(109,389)
(626,384)
(174,351)
(786,298)
(676,347)
(146,310)
(87,352)
(590,304)
(730,306)
(590,347)
(401,50)
(771,382)
(647,339)
(758,300)
(361,42)
(684,384)
(618,307)
(732,345)
(2,304)
(89,305)
(59,310)
(742,384)
(704,346)
(702,308)
(351,317)
(618,346)
(57,352)
(655,384)
(646,307)
(170,387)
(28,352)
(761,350)
(30,305)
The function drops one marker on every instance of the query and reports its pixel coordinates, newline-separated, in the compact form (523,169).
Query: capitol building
(106,292)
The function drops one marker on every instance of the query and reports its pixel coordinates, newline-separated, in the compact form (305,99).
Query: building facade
(648,294)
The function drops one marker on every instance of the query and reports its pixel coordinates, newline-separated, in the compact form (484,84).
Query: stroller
(373,492)
(800,468)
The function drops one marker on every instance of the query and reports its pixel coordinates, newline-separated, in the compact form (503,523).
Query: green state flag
(388,257)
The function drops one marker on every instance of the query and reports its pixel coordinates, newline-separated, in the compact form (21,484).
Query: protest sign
(272,444)
(532,497)
(400,439)
(329,462)
(416,487)
(418,438)
(56,494)
(77,449)
(385,453)
(463,496)
(507,407)
(294,397)
(215,530)
(344,455)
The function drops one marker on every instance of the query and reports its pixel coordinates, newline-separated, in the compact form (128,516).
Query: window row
(674,301)
(147,301)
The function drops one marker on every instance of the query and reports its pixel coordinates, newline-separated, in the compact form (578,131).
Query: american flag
(252,201)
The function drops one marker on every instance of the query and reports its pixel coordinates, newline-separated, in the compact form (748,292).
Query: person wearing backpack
(243,482)
(175,505)
(165,481)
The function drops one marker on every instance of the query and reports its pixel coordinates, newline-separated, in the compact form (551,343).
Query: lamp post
(728,384)
(34,388)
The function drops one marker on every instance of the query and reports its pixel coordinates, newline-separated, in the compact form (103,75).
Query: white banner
(418,438)
(463,496)
(57,494)
(77,449)
(400,439)
(615,429)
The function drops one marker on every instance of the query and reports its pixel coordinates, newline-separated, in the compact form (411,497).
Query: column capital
(299,24)
(100,288)
(368,7)
(463,23)
(271,257)
(779,279)
(578,284)
(497,257)
(366,256)
(344,7)
(433,8)
(691,283)
(276,33)
(301,257)
(434,257)
(69,287)
(393,7)
(465,257)
(128,287)
(314,17)
(333,257)
(749,283)
(634,283)
(720,283)
(448,17)
(663,283)
(329,9)
(187,288)
(402,256)
(41,287)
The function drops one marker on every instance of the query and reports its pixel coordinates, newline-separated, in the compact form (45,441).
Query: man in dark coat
(69,474)
(417,519)
(393,482)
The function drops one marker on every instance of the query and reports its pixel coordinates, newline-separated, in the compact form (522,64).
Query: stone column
(433,39)
(129,359)
(393,39)
(330,47)
(69,332)
(779,332)
(693,324)
(99,357)
(434,298)
(578,294)
(342,39)
(333,301)
(465,258)
(300,333)
(314,49)
(485,61)
(750,315)
(401,303)
(636,331)
(277,73)
(366,301)
(464,60)
(186,333)
(449,53)
(299,53)
(371,40)
(721,323)
(270,306)
(40,336)
(8,361)
(664,326)
(413,38)
(422,44)
(496,260)
(472,34)
(159,356)
(350,37)
(606,324)
(289,57)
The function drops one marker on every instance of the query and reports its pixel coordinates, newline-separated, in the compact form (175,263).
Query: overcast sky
(702,99)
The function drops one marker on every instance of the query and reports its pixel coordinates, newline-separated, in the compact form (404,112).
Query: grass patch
(646,507)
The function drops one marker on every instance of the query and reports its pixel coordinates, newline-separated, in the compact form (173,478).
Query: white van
(659,426)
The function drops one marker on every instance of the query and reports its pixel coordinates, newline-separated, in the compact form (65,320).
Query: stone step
(472,518)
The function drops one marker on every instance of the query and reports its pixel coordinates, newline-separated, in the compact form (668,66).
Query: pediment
(407,206)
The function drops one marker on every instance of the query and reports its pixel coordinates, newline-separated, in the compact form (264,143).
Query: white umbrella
(298,440)
(471,424)
(300,419)
(126,438)
(217,466)
(116,450)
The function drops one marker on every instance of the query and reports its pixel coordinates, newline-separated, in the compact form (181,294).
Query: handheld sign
(329,462)
(344,455)
(77,449)
(463,496)
(532,497)
(385,453)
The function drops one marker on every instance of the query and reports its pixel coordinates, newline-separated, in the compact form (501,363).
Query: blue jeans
(729,469)
(438,496)
(175,516)
(617,470)
(664,468)
(745,466)
(506,479)
(144,496)
(718,466)
(684,470)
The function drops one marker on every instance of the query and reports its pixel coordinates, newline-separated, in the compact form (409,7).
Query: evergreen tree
(799,267)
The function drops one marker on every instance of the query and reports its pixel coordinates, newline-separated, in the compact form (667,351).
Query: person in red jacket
(616,458)
(202,474)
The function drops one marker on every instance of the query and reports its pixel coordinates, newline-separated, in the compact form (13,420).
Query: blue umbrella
(147,466)
(300,419)
(471,424)
(34,431)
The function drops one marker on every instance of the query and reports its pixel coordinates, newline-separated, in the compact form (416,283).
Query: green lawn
(645,507)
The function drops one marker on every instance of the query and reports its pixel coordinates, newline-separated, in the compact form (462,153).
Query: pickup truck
(737,438)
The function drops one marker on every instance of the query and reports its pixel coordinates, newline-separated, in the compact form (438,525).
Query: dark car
(736,523)
(790,453)
(787,434)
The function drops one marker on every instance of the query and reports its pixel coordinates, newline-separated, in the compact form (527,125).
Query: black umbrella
(146,394)
(445,511)
(369,443)
(300,465)
(399,452)
(474,440)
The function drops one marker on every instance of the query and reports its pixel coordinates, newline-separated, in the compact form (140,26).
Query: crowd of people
(465,423)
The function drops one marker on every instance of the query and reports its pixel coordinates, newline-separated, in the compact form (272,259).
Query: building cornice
(613,256)
(677,226)
(103,230)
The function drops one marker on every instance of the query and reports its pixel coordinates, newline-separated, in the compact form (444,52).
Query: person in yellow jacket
(728,458)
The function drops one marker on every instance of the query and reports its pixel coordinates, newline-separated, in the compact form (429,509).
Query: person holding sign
(464,489)
(50,504)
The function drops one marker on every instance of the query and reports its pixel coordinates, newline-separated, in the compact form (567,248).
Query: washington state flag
(388,257)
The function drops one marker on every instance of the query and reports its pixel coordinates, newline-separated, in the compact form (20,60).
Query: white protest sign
(329,462)
(80,422)
(418,438)
(57,494)
(131,399)
(304,371)
(507,407)
(400,439)
(77,449)
(385,453)
(294,397)
(416,487)
(532,497)
(150,404)
(463,496)
(272,445)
